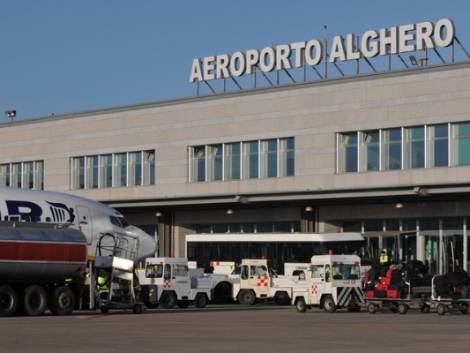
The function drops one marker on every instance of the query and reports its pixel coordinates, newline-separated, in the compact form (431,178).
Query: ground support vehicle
(167,282)
(446,304)
(41,266)
(416,298)
(334,284)
(258,283)
(118,273)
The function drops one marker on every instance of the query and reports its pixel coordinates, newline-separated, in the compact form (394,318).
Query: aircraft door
(85,222)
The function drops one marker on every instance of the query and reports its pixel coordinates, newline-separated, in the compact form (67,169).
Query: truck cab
(167,281)
(334,283)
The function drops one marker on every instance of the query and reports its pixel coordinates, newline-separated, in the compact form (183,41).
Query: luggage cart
(416,298)
(445,305)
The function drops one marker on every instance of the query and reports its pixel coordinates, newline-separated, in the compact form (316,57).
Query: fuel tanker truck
(42,266)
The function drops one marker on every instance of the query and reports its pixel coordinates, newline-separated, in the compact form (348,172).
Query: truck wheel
(300,305)
(282,298)
(371,308)
(63,301)
(183,304)
(168,300)
(8,301)
(246,297)
(402,308)
(441,309)
(201,300)
(329,304)
(35,300)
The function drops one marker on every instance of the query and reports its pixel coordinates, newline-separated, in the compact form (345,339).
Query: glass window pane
(28,175)
(120,169)
(250,160)
(92,172)
(438,151)
(392,149)
(106,171)
(348,152)
(135,168)
(149,167)
(269,158)
(370,151)
(198,163)
(415,147)
(5,175)
(16,175)
(462,148)
(286,156)
(78,172)
(232,161)
(215,162)
(39,175)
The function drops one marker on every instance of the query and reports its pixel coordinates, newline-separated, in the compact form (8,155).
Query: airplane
(94,219)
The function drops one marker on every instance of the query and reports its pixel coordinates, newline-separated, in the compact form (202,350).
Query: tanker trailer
(41,266)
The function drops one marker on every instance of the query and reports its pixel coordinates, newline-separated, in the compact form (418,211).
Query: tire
(201,300)
(168,300)
(441,309)
(34,300)
(464,309)
(402,308)
(282,298)
(300,305)
(371,308)
(183,304)
(8,301)
(62,301)
(247,297)
(138,309)
(328,304)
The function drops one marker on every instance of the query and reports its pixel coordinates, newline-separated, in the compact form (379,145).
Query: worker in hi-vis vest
(383,259)
(102,282)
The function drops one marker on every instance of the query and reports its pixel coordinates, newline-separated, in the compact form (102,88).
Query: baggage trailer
(447,304)
(334,283)
(416,298)
(167,282)
(41,266)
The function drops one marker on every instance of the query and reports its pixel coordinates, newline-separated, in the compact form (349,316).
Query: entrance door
(85,222)
(390,244)
(408,247)
(431,253)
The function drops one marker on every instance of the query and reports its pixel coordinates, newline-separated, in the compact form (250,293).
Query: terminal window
(269,158)
(125,169)
(426,146)
(26,175)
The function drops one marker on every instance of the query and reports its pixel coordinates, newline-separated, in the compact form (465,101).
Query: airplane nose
(147,244)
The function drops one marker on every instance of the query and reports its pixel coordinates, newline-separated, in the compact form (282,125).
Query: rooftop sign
(372,43)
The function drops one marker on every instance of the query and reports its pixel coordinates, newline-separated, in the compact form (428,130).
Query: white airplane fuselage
(94,219)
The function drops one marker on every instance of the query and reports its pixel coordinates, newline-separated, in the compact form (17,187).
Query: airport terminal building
(384,154)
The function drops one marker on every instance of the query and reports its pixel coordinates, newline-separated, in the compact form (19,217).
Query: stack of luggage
(453,285)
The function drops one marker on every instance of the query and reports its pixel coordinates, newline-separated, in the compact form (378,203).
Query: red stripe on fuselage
(24,251)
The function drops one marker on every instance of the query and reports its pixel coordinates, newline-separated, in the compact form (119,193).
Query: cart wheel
(402,308)
(441,309)
(425,309)
(371,308)
(300,305)
(464,309)
(138,309)
(104,309)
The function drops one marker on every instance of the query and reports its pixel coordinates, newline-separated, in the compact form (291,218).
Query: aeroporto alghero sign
(372,43)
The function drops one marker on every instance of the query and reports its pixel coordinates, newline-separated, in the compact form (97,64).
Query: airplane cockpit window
(120,222)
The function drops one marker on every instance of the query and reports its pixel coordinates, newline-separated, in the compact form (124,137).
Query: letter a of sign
(196,71)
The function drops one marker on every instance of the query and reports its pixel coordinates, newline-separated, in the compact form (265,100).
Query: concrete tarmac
(227,329)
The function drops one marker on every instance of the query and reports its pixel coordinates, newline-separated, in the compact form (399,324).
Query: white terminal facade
(385,154)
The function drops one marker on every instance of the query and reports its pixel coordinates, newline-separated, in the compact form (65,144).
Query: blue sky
(59,56)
